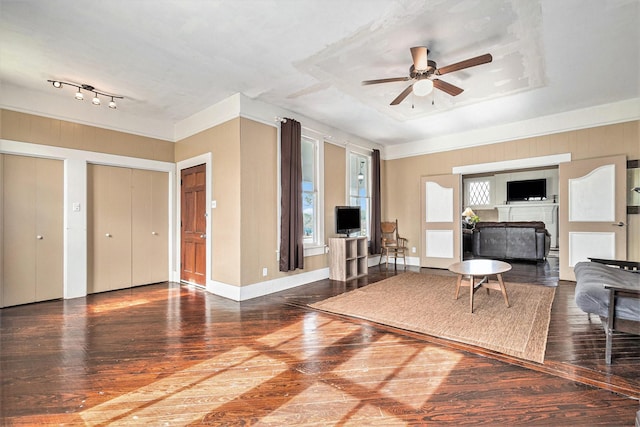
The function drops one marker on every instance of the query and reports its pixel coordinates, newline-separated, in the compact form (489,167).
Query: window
(359,185)
(312,194)
(478,192)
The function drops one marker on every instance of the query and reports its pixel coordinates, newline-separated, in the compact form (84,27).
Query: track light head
(56,84)
(79,95)
(112,104)
(95,100)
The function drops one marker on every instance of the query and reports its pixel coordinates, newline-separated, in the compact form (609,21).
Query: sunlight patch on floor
(307,337)
(190,394)
(409,379)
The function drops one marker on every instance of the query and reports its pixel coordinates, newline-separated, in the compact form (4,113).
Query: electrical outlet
(264,272)
(413,250)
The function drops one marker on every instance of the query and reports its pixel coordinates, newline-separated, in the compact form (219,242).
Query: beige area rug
(425,303)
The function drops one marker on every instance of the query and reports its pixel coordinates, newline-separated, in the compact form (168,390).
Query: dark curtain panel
(375,203)
(291,244)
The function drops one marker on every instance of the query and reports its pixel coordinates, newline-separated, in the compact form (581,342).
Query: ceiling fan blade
(447,87)
(419,54)
(472,62)
(393,79)
(402,96)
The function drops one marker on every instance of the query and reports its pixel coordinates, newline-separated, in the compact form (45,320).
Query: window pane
(309,216)
(479,193)
(308,165)
(358,176)
(310,213)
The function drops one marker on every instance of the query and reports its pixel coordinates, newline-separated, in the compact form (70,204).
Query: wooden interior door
(160,227)
(109,228)
(149,202)
(49,229)
(441,220)
(592,211)
(32,224)
(193,227)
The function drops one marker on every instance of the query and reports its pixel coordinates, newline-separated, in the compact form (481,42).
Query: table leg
(458,285)
(471,289)
(610,325)
(503,289)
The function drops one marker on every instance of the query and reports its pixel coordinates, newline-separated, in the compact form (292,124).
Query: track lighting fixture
(80,96)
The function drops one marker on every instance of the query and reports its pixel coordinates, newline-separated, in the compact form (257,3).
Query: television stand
(348,258)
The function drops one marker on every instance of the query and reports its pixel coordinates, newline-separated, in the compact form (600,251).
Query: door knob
(202,236)
(619,224)
(39,237)
(107,235)
(154,233)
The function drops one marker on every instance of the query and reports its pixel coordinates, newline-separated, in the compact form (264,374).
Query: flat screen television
(347,219)
(527,190)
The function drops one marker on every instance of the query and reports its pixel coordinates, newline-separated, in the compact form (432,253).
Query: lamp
(468,212)
(470,218)
(361,174)
(423,87)
(79,95)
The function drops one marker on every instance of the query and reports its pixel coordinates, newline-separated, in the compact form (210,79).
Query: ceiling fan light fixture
(423,87)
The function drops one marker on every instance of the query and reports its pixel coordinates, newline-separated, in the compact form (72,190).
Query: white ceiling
(173,59)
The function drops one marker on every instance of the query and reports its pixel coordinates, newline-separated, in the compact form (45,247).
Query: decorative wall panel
(592,197)
(584,245)
(439,203)
(439,243)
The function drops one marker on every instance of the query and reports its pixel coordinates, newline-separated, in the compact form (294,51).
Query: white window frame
(317,247)
(354,151)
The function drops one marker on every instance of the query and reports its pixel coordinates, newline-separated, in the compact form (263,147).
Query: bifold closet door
(32,229)
(150,225)
(109,228)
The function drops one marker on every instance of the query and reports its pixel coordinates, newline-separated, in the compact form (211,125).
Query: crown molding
(600,115)
(54,106)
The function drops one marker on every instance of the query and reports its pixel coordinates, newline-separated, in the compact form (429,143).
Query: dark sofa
(593,296)
(528,240)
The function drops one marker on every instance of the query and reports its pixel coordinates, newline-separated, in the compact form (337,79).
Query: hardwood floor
(170,355)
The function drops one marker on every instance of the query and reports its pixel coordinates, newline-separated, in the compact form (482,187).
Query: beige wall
(259,210)
(59,133)
(245,179)
(335,187)
(223,142)
(402,176)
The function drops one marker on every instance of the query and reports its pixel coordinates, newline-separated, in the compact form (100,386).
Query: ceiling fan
(424,74)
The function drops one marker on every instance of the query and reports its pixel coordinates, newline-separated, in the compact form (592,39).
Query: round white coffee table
(481,268)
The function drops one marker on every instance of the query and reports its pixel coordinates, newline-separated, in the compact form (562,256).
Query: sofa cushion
(592,297)
(521,243)
(538,225)
(492,242)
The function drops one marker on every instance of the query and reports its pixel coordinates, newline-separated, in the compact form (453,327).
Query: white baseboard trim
(375,260)
(255,290)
